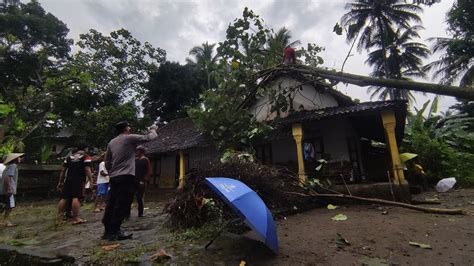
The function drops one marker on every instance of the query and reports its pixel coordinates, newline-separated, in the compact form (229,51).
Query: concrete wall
(306,98)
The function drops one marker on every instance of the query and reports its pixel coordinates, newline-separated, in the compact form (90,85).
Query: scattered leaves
(160,256)
(420,245)
(339,217)
(332,207)
(110,247)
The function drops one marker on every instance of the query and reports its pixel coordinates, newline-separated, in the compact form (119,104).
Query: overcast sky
(179,25)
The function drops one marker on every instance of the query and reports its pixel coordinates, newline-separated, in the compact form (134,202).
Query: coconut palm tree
(276,44)
(404,60)
(455,63)
(371,18)
(205,58)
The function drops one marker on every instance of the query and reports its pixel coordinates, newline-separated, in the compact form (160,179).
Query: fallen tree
(364,81)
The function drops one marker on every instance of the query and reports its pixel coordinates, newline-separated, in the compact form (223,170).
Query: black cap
(120,126)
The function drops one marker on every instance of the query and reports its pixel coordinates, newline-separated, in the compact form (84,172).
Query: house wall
(306,98)
(334,134)
(195,157)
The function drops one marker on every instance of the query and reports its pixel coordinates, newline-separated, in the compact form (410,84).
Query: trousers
(119,202)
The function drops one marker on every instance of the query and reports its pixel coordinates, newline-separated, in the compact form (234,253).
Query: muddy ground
(377,235)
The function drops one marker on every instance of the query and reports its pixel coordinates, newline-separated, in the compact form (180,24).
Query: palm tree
(371,18)
(455,63)
(205,58)
(276,44)
(404,60)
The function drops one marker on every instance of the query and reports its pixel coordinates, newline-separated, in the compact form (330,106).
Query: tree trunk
(363,81)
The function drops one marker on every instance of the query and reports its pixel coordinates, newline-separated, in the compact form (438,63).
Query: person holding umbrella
(9,184)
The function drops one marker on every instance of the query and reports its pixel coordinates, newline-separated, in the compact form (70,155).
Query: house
(320,123)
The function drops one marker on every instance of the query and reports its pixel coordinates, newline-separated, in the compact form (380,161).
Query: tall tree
(457,60)
(404,60)
(171,89)
(33,51)
(205,58)
(372,22)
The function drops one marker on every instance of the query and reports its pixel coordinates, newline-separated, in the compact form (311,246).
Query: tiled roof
(357,109)
(179,134)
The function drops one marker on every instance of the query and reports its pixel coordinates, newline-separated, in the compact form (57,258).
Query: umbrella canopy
(406,156)
(249,206)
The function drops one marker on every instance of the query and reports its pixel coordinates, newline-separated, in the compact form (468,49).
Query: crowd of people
(122,175)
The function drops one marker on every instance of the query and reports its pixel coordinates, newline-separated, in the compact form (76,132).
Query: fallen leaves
(339,217)
(332,207)
(420,245)
(160,256)
(110,247)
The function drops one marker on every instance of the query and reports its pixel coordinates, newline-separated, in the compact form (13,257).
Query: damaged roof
(179,134)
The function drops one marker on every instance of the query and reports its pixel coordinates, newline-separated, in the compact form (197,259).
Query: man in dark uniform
(142,175)
(76,169)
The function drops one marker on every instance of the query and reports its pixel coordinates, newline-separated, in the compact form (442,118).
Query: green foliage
(456,62)
(444,145)
(249,47)
(171,89)
(33,49)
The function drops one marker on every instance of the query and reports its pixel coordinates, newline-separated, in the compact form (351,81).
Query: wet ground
(371,235)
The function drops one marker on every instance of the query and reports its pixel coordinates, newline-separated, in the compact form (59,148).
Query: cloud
(179,25)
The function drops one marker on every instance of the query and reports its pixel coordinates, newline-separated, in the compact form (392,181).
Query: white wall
(306,98)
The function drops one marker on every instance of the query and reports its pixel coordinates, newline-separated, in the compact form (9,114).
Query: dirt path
(378,235)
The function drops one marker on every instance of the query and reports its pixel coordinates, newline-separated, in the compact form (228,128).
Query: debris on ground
(160,256)
(110,247)
(339,217)
(341,241)
(332,207)
(420,245)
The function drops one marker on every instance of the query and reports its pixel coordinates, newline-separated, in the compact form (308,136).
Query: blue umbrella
(249,206)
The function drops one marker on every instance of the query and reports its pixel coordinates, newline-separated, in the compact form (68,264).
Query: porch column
(298,136)
(181,169)
(389,123)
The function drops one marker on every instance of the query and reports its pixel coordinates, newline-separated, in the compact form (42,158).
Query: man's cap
(12,156)
(120,126)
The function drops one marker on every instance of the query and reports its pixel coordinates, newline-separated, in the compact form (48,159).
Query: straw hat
(11,156)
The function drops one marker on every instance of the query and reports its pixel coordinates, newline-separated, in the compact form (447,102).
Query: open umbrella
(249,206)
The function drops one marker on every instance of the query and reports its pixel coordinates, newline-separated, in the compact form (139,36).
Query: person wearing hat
(9,183)
(120,162)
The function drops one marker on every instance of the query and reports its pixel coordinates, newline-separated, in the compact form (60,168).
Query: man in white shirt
(102,186)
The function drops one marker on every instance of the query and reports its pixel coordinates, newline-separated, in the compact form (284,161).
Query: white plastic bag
(445,184)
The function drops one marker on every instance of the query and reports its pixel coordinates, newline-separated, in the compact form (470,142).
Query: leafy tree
(171,89)
(457,61)
(444,143)
(205,59)
(249,47)
(33,50)
(404,60)
(373,23)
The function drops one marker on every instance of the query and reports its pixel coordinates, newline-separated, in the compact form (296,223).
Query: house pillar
(389,124)
(298,136)
(181,169)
